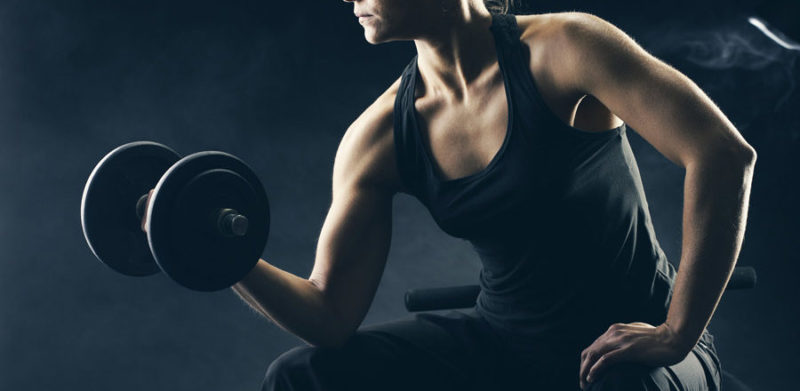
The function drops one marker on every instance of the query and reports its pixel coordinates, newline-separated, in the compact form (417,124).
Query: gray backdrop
(276,84)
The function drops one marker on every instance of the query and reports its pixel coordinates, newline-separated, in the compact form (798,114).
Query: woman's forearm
(293,303)
(716,197)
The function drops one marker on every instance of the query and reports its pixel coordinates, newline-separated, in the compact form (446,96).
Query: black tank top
(558,217)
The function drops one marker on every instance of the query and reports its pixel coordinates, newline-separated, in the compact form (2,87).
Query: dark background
(277,84)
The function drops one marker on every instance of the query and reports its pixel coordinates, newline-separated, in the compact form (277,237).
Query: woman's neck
(457,50)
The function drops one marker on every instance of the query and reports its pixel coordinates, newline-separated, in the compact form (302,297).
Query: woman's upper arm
(664,106)
(354,242)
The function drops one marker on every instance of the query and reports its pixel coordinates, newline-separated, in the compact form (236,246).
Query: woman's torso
(557,215)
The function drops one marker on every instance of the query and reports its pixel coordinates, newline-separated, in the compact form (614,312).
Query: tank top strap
(515,57)
(408,146)
(506,25)
(511,51)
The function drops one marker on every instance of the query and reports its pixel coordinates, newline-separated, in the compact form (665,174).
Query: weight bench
(465,296)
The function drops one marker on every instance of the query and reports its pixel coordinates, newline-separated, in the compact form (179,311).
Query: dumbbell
(207,216)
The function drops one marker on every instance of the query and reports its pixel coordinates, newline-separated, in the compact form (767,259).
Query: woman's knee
(292,370)
(627,377)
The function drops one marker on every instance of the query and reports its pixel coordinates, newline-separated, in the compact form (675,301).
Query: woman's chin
(372,38)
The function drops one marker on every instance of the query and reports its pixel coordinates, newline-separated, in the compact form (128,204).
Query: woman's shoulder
(554,67)
(368,143)
(376,121)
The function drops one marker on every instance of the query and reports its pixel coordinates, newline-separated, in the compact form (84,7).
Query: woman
(510,130)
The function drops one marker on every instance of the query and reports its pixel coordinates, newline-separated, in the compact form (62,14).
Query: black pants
(460,351)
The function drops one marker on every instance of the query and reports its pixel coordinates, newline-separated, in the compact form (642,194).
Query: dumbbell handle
(229,222)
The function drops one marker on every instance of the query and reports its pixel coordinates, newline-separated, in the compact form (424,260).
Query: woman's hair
(499,6)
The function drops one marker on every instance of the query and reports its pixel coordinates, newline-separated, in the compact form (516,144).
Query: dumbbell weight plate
(182,222)
(108,206)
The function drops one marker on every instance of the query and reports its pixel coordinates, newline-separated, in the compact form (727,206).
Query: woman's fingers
(609,341)
(602,364)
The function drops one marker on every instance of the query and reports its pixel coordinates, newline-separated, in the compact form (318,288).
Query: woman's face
(391,20)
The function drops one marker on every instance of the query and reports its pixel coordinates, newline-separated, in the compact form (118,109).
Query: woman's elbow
(731,156)
(748,155)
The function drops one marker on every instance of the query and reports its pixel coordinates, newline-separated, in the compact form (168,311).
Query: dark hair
(499,6)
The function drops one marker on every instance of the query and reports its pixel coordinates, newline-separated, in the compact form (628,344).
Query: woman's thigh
(459,350)
(421,352)
(699,371)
